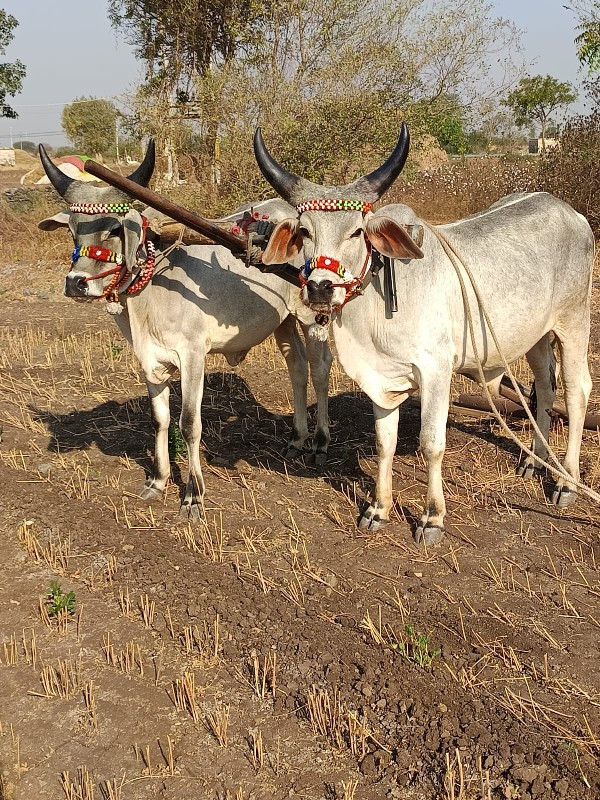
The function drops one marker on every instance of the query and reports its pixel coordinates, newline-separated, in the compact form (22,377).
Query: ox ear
(60,220)
(284,243)
(393,239)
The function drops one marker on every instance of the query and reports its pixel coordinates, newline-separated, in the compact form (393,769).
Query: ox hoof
(429,535)
(190,511)
(529,470)
(562,496)
(150,492)
(292,453)
(316,460)
(371,521)
(320,460)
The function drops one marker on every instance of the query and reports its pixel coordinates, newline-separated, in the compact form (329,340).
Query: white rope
(557,470)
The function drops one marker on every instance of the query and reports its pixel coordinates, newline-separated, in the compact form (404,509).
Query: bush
(571,170)
(465,186)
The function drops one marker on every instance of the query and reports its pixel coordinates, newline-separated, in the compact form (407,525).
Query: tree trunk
(171,176)
(543,121)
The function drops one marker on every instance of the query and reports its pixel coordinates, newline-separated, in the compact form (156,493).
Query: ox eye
(115,230)
(304,233)
(356,234)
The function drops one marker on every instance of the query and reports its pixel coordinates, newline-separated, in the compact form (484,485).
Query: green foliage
(90,123)
(588,41)
(186,34)
(536,98)
(415,647)
(477,141)
(444,117)
(177,445)
(449,130)
(11,75)
(329,81)
(58,602)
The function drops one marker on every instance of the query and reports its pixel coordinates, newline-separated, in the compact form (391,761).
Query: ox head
(106,230)
(335,227)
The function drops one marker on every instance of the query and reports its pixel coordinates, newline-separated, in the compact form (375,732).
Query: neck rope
(352,285)
(123,281)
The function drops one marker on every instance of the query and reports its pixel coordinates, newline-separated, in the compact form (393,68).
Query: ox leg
(161,416)
(320,360)
(577,384)
(192,387)
(386,432)
(543,365)
(435,399)
(292,349)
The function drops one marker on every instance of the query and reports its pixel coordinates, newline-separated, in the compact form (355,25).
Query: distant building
(535,145)
(7,157)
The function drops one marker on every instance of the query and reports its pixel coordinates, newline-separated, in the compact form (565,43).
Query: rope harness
(353,285)
(124,281)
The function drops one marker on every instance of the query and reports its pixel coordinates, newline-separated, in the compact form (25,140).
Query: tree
(588,40)
(329,80)
(28,147)
(445,118)
(90,123)
(11,75)
(536,98)
(189,34)
(180,40)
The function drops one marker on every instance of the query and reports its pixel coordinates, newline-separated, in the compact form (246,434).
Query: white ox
(200,299)
(531,256)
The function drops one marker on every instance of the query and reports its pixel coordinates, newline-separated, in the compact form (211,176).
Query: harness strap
(353,287)
(123,281)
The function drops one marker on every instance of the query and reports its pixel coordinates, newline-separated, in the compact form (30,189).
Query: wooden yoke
(240,246)
(237,244)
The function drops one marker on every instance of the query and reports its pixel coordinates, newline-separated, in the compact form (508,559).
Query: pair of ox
(177,307)
(532,258)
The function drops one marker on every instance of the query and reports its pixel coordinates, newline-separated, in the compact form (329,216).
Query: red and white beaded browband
(329,204)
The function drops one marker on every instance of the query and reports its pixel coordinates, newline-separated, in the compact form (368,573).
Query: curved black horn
(58,179)
(382,178)
(142,174)
(281,180)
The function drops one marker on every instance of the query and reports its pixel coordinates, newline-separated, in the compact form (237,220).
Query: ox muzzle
(76,285)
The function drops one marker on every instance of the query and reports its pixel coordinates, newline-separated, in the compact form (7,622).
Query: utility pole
(117,137)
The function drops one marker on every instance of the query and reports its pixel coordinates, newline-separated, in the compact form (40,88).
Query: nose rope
(352,285)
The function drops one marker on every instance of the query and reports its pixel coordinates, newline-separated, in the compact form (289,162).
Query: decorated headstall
(353,285)
(124,281)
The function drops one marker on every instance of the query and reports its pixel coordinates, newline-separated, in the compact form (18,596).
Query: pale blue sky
(70,50)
